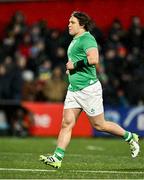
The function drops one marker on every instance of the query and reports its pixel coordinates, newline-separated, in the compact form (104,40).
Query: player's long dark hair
(84,20)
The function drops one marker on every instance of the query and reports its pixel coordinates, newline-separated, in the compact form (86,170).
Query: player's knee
(68,123)
(99,126)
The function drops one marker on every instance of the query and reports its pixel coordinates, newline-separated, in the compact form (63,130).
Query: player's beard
(70,32)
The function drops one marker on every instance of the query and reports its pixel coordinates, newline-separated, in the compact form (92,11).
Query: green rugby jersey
(77,49)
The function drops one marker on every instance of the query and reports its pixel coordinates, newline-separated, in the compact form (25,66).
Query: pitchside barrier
(44,119)
(48,116)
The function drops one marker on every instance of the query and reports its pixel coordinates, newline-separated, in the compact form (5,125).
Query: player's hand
(69,65)
(67,72)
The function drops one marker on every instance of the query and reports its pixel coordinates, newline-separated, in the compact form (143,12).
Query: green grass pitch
(85,158)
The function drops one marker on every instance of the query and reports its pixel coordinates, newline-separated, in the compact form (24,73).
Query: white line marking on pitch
(94,148)
(72,171)
(31,170)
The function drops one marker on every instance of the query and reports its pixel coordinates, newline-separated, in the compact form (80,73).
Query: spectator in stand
(8,46)
(11,80)
(60,57)
(135,33)
(28,93)
(37,52)
(3,89)
(122,100)
(45,70)
(35,33)
(25,46)
(52,43)
(133,78)
(117,28)
(55,88)
(17,27)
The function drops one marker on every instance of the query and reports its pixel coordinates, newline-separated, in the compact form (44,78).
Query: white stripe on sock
(58,154)
(129,136)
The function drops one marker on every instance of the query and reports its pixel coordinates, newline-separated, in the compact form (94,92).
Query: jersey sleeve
(88,43)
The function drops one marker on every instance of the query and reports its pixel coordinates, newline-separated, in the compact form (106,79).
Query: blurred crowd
(33,58)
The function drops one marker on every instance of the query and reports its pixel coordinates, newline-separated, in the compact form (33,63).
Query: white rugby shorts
(89,99)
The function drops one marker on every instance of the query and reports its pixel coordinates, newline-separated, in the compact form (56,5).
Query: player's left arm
(92,56)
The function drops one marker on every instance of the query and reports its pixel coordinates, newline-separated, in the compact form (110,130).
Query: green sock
(127,136)
(59,153)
